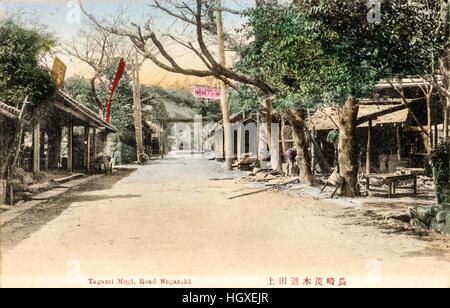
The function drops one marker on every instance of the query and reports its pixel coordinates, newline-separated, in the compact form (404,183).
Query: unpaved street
(170,223)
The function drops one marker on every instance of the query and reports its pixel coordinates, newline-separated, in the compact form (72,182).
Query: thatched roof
(323,118)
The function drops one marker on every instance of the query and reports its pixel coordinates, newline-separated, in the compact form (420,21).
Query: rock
(5,207)
(435,218)
(256,170)
(271,177)
(436,226)
(416,223)
(446,228)
(40,187)
(441,216)
(24,195)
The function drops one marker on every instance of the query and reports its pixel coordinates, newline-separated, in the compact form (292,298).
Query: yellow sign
(58,72)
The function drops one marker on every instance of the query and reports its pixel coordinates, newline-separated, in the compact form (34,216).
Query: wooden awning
(328,118)
(67,104)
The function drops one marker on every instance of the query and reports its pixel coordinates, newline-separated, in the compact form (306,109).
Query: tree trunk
(283,139)
(141,158)
(268,114)
(347,148)
(297,120)
(224,101)
(96,98)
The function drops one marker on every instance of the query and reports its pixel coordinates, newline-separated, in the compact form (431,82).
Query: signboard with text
(207,92)
(58,72)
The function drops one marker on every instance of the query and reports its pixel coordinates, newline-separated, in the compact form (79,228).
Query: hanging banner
(207,92)
(119,73)
(58,72)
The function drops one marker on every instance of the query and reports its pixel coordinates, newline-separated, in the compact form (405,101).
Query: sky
(64,18)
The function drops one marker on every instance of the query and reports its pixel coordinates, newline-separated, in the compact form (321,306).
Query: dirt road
(169,224)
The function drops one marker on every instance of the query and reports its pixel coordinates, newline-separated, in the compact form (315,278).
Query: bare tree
(152,47)
(99,49)
(200,15)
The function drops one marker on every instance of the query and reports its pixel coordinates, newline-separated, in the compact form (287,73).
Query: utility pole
(224,100)
(141,157)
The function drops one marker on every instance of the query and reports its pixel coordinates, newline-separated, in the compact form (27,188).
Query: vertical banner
(58,72)
(119,73)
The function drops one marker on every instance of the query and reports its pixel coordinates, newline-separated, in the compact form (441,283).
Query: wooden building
(63,134)
(152,138)
(393,130)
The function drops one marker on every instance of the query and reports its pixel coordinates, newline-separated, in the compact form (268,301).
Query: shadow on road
(30,221)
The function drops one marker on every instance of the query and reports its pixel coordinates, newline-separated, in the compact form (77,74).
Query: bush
(440,159)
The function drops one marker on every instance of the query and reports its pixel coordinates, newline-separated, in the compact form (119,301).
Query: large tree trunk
(297,120)
(347,148)
(268,114)
(229,155)
(283,147)
(227,132)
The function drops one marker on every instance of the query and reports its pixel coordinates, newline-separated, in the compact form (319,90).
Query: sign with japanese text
(207,92)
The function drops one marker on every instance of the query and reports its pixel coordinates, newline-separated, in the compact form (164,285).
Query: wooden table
(391,179)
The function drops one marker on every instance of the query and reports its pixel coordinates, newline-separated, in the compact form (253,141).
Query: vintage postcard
(207,144)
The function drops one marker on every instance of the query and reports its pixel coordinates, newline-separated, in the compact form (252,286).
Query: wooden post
(2,191)
(445,124)
(37,148)
(94,133)
(429,139)
(137,109)
(322,160)
(45,145)
(240,149)
(369,145)
(311,145)
(436,135)
(87,147)
(70,147)
(399,142)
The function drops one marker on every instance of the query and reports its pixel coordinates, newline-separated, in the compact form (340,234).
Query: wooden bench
(391,179)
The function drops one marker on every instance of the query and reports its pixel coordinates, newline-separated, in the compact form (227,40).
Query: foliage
(441,171)
(246,100)
(20,73)
(315,53)
(408,40)
(209,109)
(80,90)
(122,116)
(288,56)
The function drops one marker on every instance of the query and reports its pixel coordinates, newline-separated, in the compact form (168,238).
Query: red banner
(119,73)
